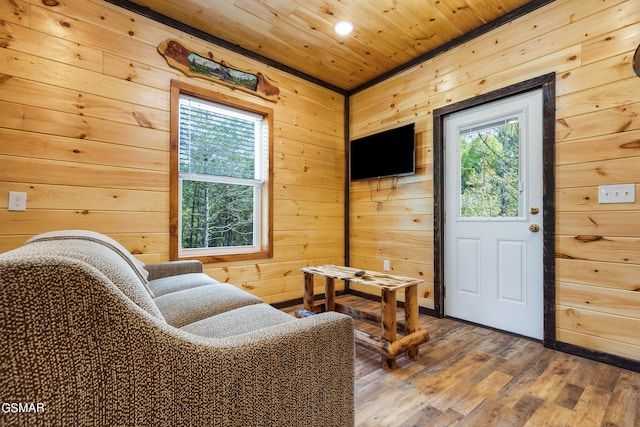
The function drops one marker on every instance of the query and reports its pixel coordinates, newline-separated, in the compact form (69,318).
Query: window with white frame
(222,179)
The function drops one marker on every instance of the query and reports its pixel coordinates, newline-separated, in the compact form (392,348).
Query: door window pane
(490,170)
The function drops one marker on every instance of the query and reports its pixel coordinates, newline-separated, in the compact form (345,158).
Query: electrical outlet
(619,193)
(386,265)
(17,201)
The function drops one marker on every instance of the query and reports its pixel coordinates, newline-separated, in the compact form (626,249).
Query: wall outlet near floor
(619,193)
(17,201)
(386,265)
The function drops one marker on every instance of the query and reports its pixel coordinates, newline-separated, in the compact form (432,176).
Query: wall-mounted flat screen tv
(388,153)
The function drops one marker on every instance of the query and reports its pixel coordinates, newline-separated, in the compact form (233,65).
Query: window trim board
(178,88)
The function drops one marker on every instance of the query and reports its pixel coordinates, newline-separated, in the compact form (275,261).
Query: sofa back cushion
(102,257)
(107,241)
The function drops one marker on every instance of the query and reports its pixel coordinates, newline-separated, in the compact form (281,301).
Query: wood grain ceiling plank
(510,5)
(315,44)
(486,10)
(374,36)
(414,18)
(351,52)
(222,19)
(460,14)
(299,34)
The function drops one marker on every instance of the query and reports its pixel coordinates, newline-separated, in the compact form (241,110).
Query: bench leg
(388,324)
(308,292)
(330,294)
(411,316)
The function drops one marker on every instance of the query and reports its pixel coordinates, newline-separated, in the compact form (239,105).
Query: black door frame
(547,84)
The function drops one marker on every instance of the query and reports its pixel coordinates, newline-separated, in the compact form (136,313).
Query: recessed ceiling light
(343,27)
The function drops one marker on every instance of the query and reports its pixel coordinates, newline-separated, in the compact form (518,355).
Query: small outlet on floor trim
(17,201)
(386,265)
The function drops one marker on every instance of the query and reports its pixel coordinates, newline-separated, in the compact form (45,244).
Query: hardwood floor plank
(489,413)
(623,406)
(550,414)
(467,375)
(585,373)
(569,396)
(524,379)
(523,353)
(427,415)
(486,389)
(526,407)
(446,419)
(592,406)
(550,383)
(606,377)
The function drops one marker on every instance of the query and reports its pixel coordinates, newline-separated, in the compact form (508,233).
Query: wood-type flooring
(472,376)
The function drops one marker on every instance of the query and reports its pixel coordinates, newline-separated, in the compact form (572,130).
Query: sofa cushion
(190,305)
(110,263)
(162,269)
(239,321)
(180,282)
(134,263)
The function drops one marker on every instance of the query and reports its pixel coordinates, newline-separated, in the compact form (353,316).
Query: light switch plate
(17,201)
(619,193)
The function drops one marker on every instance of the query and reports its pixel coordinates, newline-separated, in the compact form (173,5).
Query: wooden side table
(388,345)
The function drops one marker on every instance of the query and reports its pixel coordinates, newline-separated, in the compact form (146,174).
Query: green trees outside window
(220,175)
(490,171)
(216,215)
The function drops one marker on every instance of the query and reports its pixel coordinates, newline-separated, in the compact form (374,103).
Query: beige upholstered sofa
(90,336)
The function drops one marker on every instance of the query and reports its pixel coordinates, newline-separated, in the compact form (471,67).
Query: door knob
(534,228)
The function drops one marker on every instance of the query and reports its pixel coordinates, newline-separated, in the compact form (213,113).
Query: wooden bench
(388,345)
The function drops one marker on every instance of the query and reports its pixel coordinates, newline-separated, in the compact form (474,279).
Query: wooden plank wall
(84,130)
(589,44)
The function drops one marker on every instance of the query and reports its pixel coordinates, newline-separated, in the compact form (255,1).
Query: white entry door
(493,272)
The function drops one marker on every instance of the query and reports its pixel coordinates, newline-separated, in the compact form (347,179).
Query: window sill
(210,259)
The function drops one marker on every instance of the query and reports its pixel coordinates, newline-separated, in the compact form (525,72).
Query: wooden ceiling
(299,34)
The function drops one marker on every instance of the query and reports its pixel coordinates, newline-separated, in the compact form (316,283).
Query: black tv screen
(388,153)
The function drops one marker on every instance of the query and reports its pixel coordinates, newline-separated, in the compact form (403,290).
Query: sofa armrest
(299,373)
(173,268)
(73,342)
